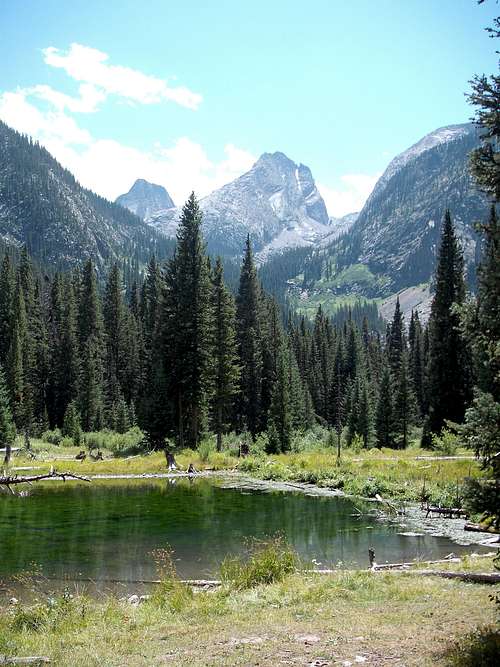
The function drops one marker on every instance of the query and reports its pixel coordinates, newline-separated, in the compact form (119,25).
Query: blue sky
(189,93)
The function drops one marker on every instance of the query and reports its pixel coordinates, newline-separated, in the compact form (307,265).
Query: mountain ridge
(276,202)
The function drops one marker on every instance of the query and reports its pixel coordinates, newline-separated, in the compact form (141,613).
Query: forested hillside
(62,224)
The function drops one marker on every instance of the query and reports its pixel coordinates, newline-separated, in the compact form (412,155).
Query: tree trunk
(8,452)
(219,428)
(180,422)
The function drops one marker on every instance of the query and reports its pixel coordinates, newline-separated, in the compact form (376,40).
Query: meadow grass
(297,619)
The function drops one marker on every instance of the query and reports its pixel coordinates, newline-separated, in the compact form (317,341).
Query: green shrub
(266,562)
(53,437)
(478,648)
(205,448)
(67,442)
(446,443)
(120,444)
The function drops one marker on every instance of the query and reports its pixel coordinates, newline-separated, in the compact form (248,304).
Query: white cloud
(349,195)
(89,99)
(110,168)
(50,126)
(90,66)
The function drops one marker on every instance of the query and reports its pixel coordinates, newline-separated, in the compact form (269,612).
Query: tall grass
(266,562)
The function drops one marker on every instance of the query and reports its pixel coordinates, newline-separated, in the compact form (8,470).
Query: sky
(189,94)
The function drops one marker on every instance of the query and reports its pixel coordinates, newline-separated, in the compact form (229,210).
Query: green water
(107,531)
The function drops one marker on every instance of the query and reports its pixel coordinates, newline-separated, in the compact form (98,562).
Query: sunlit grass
(348,613)
(405,475)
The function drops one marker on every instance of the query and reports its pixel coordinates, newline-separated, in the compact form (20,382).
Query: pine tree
(6,299)
(7,427)
(404,406)
(396,343)
(116,355)
(188,327)
(225,356)
(72,425)
(448,371)
(384,421)
(280,422)
(484,332)
(90,322)
(91,393)
(250,344)
(416,359)
(15,375)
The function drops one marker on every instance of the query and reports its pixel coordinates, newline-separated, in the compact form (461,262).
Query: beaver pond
(107,530)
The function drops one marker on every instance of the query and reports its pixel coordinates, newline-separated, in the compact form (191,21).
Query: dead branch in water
(11,480)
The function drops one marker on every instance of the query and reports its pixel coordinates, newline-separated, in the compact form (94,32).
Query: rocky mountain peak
(146,199)
(276,202)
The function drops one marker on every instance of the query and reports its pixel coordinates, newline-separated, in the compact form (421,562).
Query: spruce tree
(484,329)
(384,420)
(90,323)
(225,355)
(91,397)
(449,379)
(7,426)
(188,327)
(416,359)
(396,343)
(249,344)
(116,354)
(6,299)
(280,420)
(404,406)
(72,425)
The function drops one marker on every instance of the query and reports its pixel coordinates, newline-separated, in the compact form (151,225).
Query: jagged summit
(276,202)
(146,199)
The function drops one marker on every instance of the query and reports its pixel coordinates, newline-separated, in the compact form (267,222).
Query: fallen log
(477,528)
(470,577)
(11,480)
(450,512)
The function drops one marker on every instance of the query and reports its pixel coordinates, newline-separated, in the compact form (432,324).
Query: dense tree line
(178,355)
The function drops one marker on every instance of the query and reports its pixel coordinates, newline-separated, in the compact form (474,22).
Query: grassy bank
(385,618)
(399,475)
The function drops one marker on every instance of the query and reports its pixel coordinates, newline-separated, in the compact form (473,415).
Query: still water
(107,530)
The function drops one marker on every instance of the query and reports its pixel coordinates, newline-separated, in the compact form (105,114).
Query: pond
(106,531)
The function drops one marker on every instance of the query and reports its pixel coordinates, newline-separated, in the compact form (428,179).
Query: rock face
(338,227)
(62,224)
(146,199)
(397,232)
(276,202)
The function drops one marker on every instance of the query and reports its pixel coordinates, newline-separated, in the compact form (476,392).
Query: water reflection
(107,531)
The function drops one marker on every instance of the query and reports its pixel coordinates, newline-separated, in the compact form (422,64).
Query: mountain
(276,202)
(62,223)
(399,227)
(392,245)
(338,227)
(146,199)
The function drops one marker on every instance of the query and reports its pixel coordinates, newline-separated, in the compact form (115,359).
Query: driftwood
(390,505)
(477,528)
(30,660)
(11,480)
(449,512)
(471,577)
